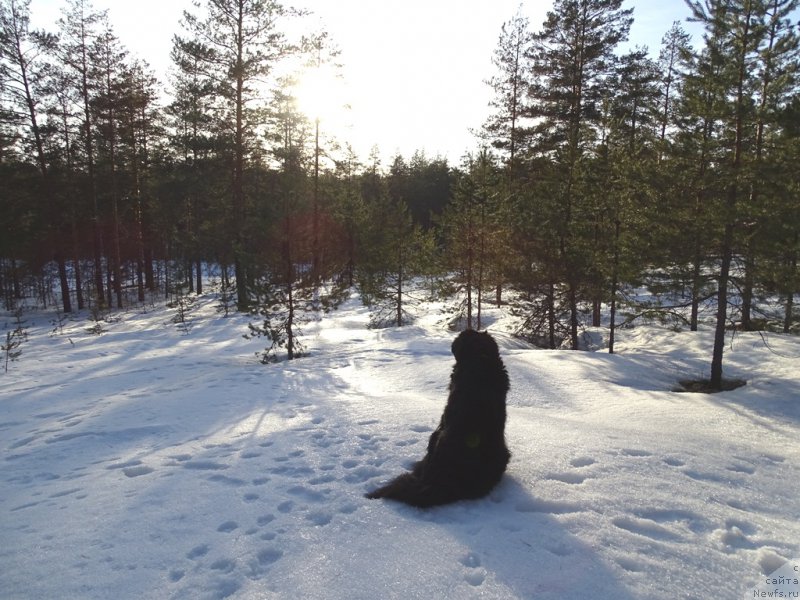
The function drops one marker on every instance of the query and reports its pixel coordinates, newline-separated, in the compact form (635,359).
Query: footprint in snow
(224,479)
(176,575)
(635,452)
(348,509)
(204,465)
(407,442)
(569,478)
(64,493)
(307,494)
(475,575)
(735,536)
(265,519)
(321,479)
(582,461)
(319,518)
(362,474)
(198,551)
(692,521)
(631,565)
(646,528)
(267,556)
(224,565)
(739,468)
(228,526)
(420,429)
(137,471)
(774,458)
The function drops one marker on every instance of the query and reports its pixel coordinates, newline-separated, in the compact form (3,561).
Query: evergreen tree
(506,127)
(572,56)
(24,75)
(735,30)
(474,235)
(672,57)
(627,159)
(237,42)
(773,83)
(78,31)
(398,250)
(108,58)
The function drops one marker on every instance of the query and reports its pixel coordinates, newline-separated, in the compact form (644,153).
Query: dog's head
(471,345)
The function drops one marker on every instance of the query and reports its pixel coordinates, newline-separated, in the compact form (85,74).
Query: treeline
(597,169)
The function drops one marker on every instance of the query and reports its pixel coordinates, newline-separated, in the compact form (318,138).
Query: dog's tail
(412,490)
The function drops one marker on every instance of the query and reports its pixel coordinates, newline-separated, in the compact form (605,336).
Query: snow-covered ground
(150,463)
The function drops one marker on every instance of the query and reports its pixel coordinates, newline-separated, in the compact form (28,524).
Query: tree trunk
(791,282)
(730,208)
(696,283)
(747,290)
(573,314)
(614,285)
(242,295)
(551,313)
(722,300)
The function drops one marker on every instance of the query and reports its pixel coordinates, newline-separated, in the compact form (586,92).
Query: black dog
(467,453)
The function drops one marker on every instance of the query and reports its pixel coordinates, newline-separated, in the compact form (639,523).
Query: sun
(322,96)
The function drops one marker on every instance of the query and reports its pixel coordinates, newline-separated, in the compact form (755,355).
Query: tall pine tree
(573,54)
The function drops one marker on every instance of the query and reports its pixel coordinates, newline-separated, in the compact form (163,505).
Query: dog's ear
(488,346)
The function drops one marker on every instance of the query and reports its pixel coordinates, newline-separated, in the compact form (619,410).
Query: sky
(413,71)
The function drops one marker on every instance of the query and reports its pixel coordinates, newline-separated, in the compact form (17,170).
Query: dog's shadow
(518,540)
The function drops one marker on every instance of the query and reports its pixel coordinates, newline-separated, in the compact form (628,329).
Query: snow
(148,462)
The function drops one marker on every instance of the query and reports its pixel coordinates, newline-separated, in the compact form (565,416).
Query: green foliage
(476,234)
(400,251)
(183,305)
(282,309)
(11,348)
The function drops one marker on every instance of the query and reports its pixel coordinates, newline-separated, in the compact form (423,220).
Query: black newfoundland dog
(467,453)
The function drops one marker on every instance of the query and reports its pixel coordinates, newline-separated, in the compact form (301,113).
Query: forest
(598,171)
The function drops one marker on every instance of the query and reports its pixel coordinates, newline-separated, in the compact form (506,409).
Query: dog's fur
(467,454)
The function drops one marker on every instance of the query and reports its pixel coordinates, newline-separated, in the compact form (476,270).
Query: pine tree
(24,74)
(734,35)
(108,56)
(572,56)
(76,36)
(397,251)
(237,43)
(628,149)
(14,339)
(672,57)
(506,127)
(773,83)
(474,235)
